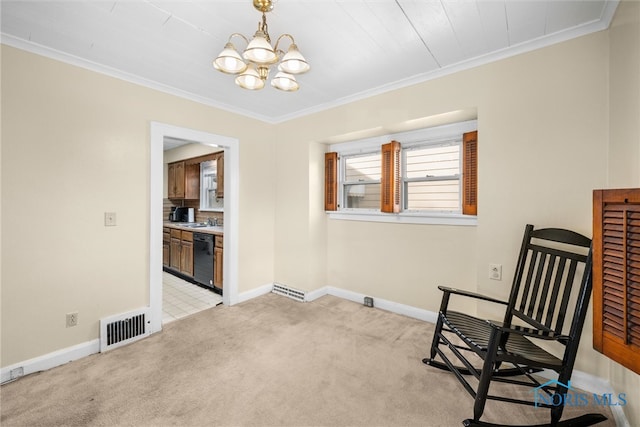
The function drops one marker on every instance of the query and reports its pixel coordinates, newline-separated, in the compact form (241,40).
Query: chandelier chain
(265,27)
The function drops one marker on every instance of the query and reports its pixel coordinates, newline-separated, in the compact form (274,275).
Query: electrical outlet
(109,219)
(72,319)
(368,301)
(495,271)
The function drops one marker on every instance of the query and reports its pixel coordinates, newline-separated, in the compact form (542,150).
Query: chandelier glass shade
(253,66)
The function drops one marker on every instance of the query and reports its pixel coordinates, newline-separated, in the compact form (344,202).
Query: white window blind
(432,177)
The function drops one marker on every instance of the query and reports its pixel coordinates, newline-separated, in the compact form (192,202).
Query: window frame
(426,136)
(343,183)
(405,180)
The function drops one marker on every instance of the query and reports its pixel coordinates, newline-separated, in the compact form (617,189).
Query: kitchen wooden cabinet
(176,180)
(181,251)
(192,181)
(175,245)
(166,246)
(220,176)
(186,253)
(217,262)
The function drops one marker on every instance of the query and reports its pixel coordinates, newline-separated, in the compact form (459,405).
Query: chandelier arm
(246,40)
(280,38)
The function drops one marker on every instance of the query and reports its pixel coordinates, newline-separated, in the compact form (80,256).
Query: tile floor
(181,298)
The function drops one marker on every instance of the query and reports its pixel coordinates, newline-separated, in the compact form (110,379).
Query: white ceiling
(356,48)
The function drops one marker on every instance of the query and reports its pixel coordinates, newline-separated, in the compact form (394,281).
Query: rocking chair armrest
(448,290)
(528,332)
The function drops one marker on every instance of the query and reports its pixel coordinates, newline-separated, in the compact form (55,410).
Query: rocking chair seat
(476,333)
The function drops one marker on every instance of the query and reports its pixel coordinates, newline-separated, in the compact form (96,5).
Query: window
(360,181)
(431,178)
(616,275)
(430,173)
(209,191)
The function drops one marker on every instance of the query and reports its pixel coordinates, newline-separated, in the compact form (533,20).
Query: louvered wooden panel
(613,271)
(616,270)
(470,173)
(390,185)
(633,276)
(331,181)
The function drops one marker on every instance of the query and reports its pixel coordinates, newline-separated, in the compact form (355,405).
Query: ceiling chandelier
(252,68)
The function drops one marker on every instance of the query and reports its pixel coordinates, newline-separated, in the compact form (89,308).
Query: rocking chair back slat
(527,285)
(565,298)
(554,294)
(543,303)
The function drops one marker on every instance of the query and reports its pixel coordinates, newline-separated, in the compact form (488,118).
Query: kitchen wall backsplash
(195,204)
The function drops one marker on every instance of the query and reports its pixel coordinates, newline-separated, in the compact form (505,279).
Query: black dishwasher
(203,259)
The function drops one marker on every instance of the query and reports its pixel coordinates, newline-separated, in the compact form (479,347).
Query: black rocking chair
(547,290)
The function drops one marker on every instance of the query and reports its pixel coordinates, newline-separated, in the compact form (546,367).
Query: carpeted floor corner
(270,361)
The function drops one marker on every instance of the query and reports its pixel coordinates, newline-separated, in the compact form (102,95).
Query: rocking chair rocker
(546,291)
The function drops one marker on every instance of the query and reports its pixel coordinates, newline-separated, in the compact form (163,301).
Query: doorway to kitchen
(160,132)
(181,298)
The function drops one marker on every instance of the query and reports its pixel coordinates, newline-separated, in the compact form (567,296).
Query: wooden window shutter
(470,173)
(390,182)
(616,275)
(331,181)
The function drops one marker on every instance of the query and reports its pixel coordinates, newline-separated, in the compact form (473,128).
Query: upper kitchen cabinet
(192,181)
(220,175)
(183,180)
(176,180)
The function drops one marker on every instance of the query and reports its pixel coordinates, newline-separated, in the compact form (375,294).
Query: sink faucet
(211,222)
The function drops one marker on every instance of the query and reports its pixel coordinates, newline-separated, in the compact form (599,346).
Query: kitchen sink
(197,225)
(203,225)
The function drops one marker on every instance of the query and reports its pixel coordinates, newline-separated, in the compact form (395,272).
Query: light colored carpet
(270,361)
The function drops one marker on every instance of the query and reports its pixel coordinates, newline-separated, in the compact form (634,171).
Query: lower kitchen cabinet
(166,246)
(217,263)
(176,243)
(186,253)
(181,251)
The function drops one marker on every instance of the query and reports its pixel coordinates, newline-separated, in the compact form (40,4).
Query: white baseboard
(51,360)
(314,295)
(394,307)
(254,293)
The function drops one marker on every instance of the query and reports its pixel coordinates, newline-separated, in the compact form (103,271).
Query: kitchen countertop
(215,230)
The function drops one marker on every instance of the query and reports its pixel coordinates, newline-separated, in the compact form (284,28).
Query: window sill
(406,218)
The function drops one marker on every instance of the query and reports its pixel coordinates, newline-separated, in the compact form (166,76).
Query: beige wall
(624,147)
(553,125)
(74,145)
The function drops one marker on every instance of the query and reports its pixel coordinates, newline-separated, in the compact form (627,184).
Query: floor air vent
(123,329)
(288,292)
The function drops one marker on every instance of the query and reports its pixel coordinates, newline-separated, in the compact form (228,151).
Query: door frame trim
(231,148)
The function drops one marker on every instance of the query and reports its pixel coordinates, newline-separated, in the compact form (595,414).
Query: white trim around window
(407,139)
